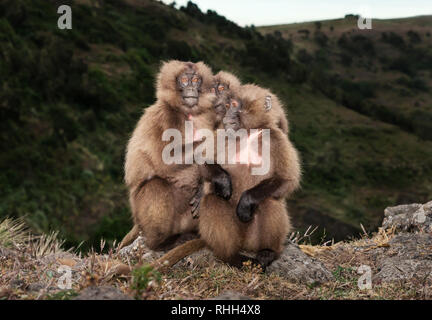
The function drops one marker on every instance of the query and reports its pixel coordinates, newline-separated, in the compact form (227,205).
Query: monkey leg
(219,229)
(268,231)
(155,212)
(130,237)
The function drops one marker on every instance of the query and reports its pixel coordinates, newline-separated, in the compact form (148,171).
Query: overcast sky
(268,12)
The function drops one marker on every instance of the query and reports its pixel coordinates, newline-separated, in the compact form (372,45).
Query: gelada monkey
(225,82)
(160,193)
(254,218)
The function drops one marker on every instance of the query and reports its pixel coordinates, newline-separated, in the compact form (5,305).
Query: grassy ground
(28,263)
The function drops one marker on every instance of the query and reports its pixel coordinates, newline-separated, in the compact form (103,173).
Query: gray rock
(408,257)
(17,284)
(409,217)
(102,293)
(231,295)
(37,286)
(296,266)
(138,249)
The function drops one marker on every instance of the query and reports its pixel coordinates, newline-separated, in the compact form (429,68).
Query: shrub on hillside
(414,37)
(393,39)
(357,44)
(304,57)
(321,38)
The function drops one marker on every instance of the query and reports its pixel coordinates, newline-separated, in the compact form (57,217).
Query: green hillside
(69,99)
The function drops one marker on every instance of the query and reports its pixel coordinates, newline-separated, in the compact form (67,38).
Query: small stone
(37,286)
(296,266)
(102,293)
(231,295)
(17,284)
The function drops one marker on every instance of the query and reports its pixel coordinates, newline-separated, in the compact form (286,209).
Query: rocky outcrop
(409,256)
(296,266)
(409,217)
(138,250)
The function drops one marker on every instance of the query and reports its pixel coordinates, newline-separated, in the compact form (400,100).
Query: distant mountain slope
(385,72)
(70,99)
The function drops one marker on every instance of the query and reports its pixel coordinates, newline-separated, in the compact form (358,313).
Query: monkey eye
(234,103)
(184,80)
(221,88)
(227,105)
(194,79)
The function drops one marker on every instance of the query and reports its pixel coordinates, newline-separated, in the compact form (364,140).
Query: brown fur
(159,194)
(228,79)
(219,226)
(277,108)
(234,84)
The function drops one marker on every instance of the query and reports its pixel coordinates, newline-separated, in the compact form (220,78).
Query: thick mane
(276,111)
(228,78)
(166,83)
(254,115)
(166,86)
(207,75)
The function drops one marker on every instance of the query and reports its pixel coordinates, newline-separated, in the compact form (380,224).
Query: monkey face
(221,91)
(231,120)
(219,88)
(189,84)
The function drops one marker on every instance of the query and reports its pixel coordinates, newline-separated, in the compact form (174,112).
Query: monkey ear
(268,103)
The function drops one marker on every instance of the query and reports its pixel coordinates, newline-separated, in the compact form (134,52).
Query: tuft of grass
(46,244)
(13,232)
(63,295)
(143,278)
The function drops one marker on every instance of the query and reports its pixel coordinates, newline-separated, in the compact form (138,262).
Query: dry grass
(46,244)
(13,233)
(38,260)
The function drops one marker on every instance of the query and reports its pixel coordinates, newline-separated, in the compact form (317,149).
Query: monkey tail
(175,255)
(167,260)
(130,237)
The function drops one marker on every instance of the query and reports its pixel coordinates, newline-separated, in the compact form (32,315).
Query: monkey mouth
(190,100)
(231,126)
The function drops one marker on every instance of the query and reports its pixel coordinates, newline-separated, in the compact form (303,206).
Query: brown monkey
(271,101)
(160,193)
(255,217)
(225,81)
(222,82)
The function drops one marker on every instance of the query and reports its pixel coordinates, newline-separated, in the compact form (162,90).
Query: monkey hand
(222,185)
(246,207)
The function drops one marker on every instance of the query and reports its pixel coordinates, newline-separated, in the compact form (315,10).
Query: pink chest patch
(250,153)
(197,136)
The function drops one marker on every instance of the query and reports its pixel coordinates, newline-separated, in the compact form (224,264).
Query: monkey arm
(285,179)
(196,200)
(274,187)
(219,178)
